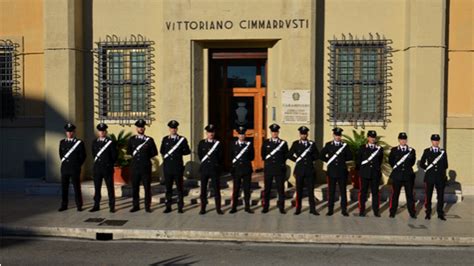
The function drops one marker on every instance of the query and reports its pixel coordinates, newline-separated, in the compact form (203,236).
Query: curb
(256,237)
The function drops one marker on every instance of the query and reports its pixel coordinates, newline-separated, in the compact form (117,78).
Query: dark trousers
(144,178)
(396,187)
(373,183)
(244,182)
(342,182)
(440,197)
(280,183)
(301,182)
(178,180)
(76,183)
(216,187)
(108,176)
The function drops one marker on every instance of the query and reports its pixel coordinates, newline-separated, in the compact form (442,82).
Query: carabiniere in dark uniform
(369,163)
(143,149)
(304,152)
(211,157)
(104,151)
(73,154)
(402,175)
(173,148)
(274,168)
(242,154)
(336,170)
(436,159)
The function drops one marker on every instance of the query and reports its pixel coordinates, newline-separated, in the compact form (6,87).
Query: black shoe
(79,209)
(442,217)
(297,212)
(428,217)
(96,208)
(233,210)
(344,213)
(265,210)
(112,210)
(202,211)
(219,211)
(392,215)
(180,210)
(376,214)
(134,209)
(330,213)
(361,214)
(148,209)
(413,216)
(62,208)
(167,210)
(314,212)
(248,210)
(282,211)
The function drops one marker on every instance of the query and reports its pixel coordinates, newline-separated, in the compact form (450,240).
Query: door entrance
(237,97)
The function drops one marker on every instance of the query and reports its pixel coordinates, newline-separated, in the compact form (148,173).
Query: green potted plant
(122,166)
(358,139)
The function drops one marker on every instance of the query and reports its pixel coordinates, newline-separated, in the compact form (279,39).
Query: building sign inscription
(244,24)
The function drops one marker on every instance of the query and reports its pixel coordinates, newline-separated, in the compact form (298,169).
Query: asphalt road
(56,251)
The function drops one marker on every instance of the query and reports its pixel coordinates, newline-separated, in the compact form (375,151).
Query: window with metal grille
(358,86)
(124,79)
(9,79)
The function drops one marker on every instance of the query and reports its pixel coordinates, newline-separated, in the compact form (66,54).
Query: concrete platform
(37,216)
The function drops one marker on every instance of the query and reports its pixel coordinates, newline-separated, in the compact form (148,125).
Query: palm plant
(121,141)
(359,139)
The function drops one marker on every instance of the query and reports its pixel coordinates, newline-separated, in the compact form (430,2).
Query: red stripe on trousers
(391,197)
(327,191)
(360,189)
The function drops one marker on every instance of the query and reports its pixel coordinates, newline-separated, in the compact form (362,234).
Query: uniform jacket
(338,167)
(108,158)
(243,166)
(305,166)
(173,164)
(141,160)
(371,169)
(213,164)
(437,173)
(276,164)
(403,172)
(72,165)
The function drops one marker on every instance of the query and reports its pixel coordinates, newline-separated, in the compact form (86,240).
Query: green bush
(121,140)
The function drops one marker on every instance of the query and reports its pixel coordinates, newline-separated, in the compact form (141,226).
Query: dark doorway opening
(237,96)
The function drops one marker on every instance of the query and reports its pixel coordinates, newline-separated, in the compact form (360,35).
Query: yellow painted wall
(416,28)
(52,54)
(290,55)
(460,117)
(21,21)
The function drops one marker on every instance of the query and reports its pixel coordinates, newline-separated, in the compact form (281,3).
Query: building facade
(390,65)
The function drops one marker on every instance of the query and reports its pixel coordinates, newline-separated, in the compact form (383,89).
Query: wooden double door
(237,97)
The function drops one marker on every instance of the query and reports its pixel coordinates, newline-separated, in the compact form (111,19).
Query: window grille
(124,79)
(9,79)
(359,81)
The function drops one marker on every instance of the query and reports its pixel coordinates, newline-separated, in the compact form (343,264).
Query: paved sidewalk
(37,215)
